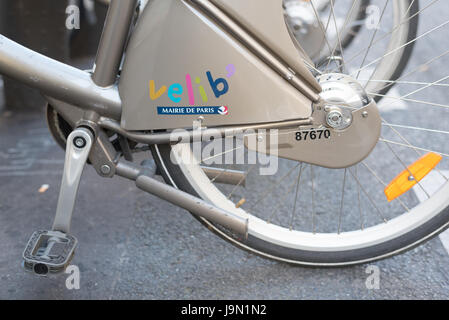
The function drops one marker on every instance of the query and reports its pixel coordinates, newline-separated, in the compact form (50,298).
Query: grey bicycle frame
(92,99)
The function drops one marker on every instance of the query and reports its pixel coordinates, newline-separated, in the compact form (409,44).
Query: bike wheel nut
(79,142)
(105,169)
(334,118)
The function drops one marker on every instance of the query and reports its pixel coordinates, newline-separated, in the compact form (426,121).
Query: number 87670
(313,135)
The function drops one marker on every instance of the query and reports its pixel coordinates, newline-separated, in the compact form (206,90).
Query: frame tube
(113,41)
(188,136)
(57,79)
(182,199)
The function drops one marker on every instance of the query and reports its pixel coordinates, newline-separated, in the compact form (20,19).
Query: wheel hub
(342,89)
(341,95)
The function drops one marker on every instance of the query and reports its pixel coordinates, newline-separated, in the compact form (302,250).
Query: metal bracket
(103,155)
(79,144)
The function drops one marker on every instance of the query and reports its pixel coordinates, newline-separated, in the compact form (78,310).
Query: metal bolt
(334,118)
(79,142)
(365,114)
(105,169)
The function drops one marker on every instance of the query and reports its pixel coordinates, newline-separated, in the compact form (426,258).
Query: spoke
(413,147)
(384,184)
(313,200)
(296,197)
(338,33)
(274,185)
(281,202)
(337,44)
(414,92)
(406,167)
(406,82)
(224,170)
(407,142)
(402,46)
(391,31)
(218,175)
(372,39)
(415,128)
(241,181)
(311,66)
(368,196)
(323,30)
(410,100)
(348,16)
(409,8)
(217,155)
(342,201)
(404,98)
(358,199)
(222,153)
(426,86)
(427,63)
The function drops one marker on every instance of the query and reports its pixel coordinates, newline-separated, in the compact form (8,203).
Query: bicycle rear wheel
(316,216)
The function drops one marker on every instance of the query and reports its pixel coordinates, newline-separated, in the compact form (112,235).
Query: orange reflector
(415,173)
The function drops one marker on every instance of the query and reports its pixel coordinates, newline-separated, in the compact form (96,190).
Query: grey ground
(135,246)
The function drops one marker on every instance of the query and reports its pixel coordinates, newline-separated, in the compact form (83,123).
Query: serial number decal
(313,135)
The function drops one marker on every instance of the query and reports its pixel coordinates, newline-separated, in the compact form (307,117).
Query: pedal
(49,252)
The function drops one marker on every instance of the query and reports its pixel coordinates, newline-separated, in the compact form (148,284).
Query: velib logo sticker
(178,93)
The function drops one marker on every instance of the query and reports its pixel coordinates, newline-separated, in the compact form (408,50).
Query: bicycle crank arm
(182,199)
(50,252)
(79,144)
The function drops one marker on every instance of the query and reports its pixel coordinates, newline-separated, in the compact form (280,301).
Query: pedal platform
(49,252)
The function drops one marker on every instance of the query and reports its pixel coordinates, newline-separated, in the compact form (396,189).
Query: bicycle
(295,83)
